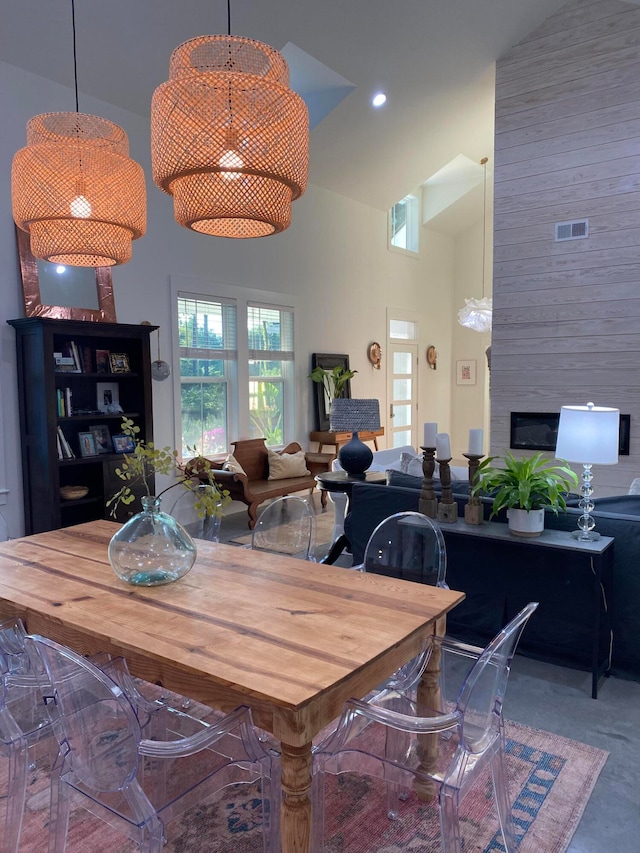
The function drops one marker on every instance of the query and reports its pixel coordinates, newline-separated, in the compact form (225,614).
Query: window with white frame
(270,334)
(207,341)
(404,225)
(236,372)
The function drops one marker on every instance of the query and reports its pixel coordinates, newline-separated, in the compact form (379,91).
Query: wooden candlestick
(447,508)
(473,510)
(428,504)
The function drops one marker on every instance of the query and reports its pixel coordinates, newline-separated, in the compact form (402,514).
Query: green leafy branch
(146,460)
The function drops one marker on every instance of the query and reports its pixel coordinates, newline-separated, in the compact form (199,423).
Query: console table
(596,559)
(337,439)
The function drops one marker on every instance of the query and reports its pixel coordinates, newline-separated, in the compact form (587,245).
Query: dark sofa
(498,581)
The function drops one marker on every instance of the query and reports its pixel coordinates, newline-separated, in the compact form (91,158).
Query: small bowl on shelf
(73,493)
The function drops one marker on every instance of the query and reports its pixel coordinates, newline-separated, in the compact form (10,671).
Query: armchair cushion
(284,465)
(232,464)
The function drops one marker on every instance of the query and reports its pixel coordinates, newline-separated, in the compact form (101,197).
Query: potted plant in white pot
(525,488)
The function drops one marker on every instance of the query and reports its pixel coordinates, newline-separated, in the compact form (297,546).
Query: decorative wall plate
(374,354)
(432,357)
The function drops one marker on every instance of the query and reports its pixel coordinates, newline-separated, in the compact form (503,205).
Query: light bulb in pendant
(80,207)
(231,160)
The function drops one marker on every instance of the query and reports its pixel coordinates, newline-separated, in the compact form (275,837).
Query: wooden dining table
(290,639)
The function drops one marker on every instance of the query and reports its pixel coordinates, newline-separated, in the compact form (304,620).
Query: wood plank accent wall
(566,326)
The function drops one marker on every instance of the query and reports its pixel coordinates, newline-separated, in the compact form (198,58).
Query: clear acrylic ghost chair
(24,725)
(475,721)
(4,529)
(408,546)
(286,526)
(197,526)
(108,765)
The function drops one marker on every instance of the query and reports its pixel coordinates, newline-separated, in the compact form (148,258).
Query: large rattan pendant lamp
(229,138)
(75,189)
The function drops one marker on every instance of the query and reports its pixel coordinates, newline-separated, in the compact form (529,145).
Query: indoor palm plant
(152,548)
(333,380)
(525,488)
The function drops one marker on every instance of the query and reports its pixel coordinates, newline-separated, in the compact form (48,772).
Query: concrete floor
(558,700)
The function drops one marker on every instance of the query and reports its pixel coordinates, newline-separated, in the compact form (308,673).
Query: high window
(404,225)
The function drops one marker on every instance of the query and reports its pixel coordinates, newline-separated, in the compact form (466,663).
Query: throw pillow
(283,465)
(232,464)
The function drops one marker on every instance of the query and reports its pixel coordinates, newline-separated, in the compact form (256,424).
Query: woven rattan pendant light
(75,189)
(229,138)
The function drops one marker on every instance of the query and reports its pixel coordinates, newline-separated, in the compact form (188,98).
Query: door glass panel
(401,389)
(402,329)
(402,362)
(401,439)
(402,416)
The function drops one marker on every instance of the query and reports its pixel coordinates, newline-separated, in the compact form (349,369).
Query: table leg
(428,696)
(295,817)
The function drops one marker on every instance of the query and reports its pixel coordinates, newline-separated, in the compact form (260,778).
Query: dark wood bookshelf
(43,473)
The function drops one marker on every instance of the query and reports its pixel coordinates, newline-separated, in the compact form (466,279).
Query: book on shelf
(63,402)
(59,446)
(67,452)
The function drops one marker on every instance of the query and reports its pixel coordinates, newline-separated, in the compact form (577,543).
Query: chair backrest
(481,695)
(95,719)
(184,512)
(407,545)
(286,526)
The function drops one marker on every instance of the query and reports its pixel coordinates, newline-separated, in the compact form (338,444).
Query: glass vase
(151,548)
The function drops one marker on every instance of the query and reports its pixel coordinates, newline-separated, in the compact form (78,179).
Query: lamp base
(355,457)
(586,535)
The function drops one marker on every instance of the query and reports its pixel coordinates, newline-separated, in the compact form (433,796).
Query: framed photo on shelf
(107,397)
(119,362)
(103,365)
(87,444)
(466,372)
(102,438)
(123,444)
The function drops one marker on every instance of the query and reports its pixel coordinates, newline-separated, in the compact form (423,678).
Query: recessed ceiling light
(379,99)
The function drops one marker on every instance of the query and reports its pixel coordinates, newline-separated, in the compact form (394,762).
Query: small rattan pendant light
(229,138)
(75,189)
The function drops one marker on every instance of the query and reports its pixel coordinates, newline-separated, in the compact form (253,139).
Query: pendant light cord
(228,17)
(484,162)
(75,56)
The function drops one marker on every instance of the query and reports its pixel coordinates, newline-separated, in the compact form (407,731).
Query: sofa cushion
(285,465)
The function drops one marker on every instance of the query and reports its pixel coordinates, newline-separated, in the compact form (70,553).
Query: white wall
(334,258)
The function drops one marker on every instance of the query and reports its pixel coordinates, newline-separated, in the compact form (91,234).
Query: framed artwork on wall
(466,372)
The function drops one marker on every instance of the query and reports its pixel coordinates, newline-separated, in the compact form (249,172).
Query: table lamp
(349,415)
(590,435)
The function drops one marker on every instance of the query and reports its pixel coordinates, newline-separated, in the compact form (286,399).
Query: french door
(402,393)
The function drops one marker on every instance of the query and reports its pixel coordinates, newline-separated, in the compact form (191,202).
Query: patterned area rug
(551,779)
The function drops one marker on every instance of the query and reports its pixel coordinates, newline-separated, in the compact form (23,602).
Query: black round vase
(355,457)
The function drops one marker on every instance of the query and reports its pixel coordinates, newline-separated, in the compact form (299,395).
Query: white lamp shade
(588,434)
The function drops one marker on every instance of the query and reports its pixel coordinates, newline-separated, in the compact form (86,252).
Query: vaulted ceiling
(433,58)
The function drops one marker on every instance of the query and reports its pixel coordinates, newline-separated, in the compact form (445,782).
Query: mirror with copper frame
(64,292)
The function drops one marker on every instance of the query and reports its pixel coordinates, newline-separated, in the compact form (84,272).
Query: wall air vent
(576,230)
